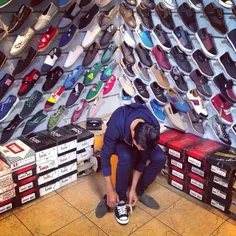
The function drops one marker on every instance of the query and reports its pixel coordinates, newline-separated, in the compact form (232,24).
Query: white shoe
(73,56)
(47,15)
(91,36)
(51,59)
(103,3)
(127,85)
(226,3)
(170,4)
(21,41)
(128,35)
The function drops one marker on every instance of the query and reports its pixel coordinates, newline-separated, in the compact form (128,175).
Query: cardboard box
(67,179)
(67,168)
(196,170)
(44,166)
(27,196)
(217,203)
(219,181)
(4,168)
(6,205)
(216,190)
(5,181)
(66,158)
(197,181)
(48,176)
(84,154)
(177,172)
(177,163)
(176,182)
(24,173)
(7,195)
(26,184)
(49,187)
(197,193)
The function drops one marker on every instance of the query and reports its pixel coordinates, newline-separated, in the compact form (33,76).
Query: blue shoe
(63,3)
(157,110)
(125,97)
(178,102)
(73,77)
(145,37)
(68,37)
(107,72)
(7,106)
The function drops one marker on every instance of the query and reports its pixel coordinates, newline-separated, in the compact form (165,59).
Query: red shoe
(109,85)
(53,99)
(47,38)
(161,58)
(222,108)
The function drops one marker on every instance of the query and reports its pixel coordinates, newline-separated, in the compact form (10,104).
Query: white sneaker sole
(6,4)
(194,6)
(231,43)
(180,45)
(170,6)
(224,5)
(122,222)
(226,70)
(15,103)
(163,47)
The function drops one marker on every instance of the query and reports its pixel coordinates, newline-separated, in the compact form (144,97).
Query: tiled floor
(70,211)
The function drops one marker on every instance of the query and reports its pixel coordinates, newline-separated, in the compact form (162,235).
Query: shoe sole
(122,222)
(14,105)
(6,33)
(68,44)
(224,5)
(44,49)
(6,4)
(169,6)
(231,43)
(180,45)
(91,99)
(194,6)
(163,47)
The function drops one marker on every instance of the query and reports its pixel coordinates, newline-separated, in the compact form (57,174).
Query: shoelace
(122,210)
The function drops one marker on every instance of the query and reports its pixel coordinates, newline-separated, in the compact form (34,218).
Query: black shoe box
(26,184)
(24,173)
(27,196)
(195,170)
(176,182)
(218,203)
(226,185)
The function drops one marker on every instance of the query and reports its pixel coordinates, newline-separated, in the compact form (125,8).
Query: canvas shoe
(108,71)
(108,35)
(228,65)
(160,77)
(127,68)
(196,4)
(93,110)
(145,37)
(34,122)
(170,4)
(4,3)
(47,38)
(162,38)
(3,30)
(54,98)
(158,93)
(108,16)
(73,56)
(91,75)
(149,4)
(22,41)
(73,77)
(7,106)
(132,3)
(94,92)
(55,119)
(145,15)
(121,213)
(226,3)
(128,15)
(125,97)
(233,128)
(3,59)
(91,36)
(178,102)
(128,35)
(231,36)
(109,52)
(178,78)
(28,82)
(128,52)
(63,3)
(5,83)
(91,54)
(127,85)
(103,3)
(157,110)
(79,111)
(74,95)
(144,55)
(68,37)
(46,17)
(50,60)
(84,4)
(197,103)
(138,99)
(195,121)
(141,88)
(109,85)
(161,57)
(142,71)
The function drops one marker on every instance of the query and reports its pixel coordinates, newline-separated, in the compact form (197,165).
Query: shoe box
(232,207)
(176,182)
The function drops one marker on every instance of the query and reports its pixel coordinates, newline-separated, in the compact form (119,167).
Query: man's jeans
(127,159)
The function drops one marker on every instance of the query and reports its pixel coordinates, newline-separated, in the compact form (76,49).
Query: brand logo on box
(35,140)
(15,148)
(55,134)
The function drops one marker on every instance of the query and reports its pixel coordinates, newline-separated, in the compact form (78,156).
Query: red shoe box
(177,163)
(24,173)
(177,172)
(195,170)
(27,184)
(7,205)
(197,193)
(176,182)
(197,181)
(219,204)
(27,196)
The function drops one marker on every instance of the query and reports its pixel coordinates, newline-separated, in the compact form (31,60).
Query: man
(131,128)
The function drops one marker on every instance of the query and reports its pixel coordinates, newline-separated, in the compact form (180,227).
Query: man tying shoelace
(132,134)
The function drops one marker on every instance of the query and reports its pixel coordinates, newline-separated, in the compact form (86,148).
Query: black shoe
(144,55)
(231,36)
(121,213)
(228,64)
(5,84)
(145,15)
(127,68)
(3,59)
(178,78)
(108,35)
(195,121)
(162,37)
(91,54)
(149,4)
(159,93)
(141,88)
(85,3)
(75,94)
(128,52)
(139,100)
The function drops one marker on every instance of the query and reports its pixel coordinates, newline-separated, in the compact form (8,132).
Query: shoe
(35,3)
(160,77)
(174,117)
(25,61)
(182,39)
(158,93)
(108,71)
(231,36)
(226,3)
(127,68)
(178,102)
(142,72)
(196,4)
(101,208)
(170,4)
(196,102)
(50,60)
(145,15)
(79,111)
(219,129)
(91,75)
(108,35)
(73,56)
(19,18)
(94,91)
(104,3)
(228,64)
(52,78)
(73,77)
(127,52)
(34,122)
(4,3)
(165,16)
(201,83)
(148,201)
(85,4)
(28,82)
(5,83)
(88,18)
(74,95)
(91,36)
(3,59)
(139,100)
(3,30)
(54,98)
(132,3)
(121,213)
(161,58)
(215,16)
(31,104)
(141,88)
(203,63)
(47,38)
(233,128)
(161,37)
(11,129)
(109,85)
(128,35)
(196,122)
(90,54)
(109,52)
(46,17)
(178,78)
(226,88)
(128,15)
(125,97)
(145,37)
(207,42)
(108,17)
(127,86)
(68,37)
(22,41)
(7,106)
(150,4)
(157,110)
(55,119)
(63,3)
(181,59)
(94,109)
(69,16)
(144,55)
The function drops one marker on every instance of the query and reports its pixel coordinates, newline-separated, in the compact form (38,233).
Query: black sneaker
(195,121)
(108,35)
(228,64)
(158,93)
(181,59)
(127,52)
(75,94)
(233,127)
(121,213)
(178,78)
(141,88)
(149,4)
(145,15)
(144,55)
(127,68)
(161,37)
(139,100)
(5,84)
(231,36)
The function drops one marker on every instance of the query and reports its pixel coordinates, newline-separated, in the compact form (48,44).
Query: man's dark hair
(146,135)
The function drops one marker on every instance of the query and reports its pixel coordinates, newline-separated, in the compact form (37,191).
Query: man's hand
(133,198)
(112,198)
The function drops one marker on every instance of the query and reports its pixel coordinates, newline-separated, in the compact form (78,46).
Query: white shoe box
(84,154)
(67,168)
(49,187)
(69,178)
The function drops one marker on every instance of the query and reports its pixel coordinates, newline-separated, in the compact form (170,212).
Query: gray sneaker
(149,201)
(195,121)
(161,37)
(101,208)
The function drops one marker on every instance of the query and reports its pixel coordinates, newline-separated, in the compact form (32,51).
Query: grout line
(218,227)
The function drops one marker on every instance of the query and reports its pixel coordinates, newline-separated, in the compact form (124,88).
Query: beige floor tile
(6,214)
(187,218)
(80,227)
(98,176)
(154,227)
(11,226)
(162,195)
(48,216)
(226,229)
(86,195)
(232,221)
(111,227)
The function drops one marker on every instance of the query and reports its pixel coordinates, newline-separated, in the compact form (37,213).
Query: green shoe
(108,70)
(56,117)
(94,91)
(91,75)
(3,3)
(109,52)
